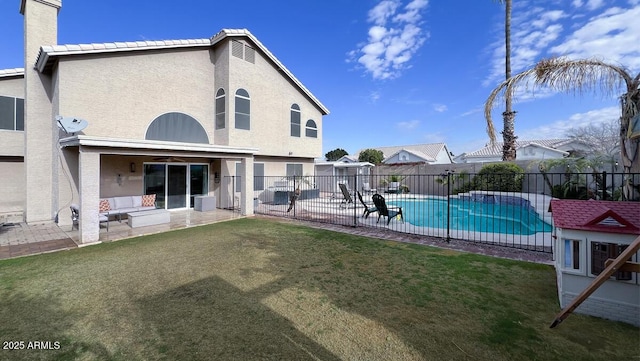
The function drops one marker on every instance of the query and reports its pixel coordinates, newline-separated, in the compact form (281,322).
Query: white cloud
(440,108)
(431,137)
(612,36)
(472,111)
(594,4)
(545,29)
(393,39)
(408,125)
(559,128)
(374,96)
(533,30)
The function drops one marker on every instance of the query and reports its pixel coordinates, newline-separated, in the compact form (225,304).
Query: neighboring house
(587,234)
(436,153)
(176,118)
(346,169)
(541,149)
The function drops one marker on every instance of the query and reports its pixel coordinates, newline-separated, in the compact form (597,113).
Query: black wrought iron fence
(501,209)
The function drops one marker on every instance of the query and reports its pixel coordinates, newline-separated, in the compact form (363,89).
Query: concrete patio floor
(21,239)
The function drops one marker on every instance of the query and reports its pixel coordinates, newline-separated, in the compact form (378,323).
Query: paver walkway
(20,239)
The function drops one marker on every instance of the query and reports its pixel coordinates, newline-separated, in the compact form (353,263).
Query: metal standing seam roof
(496,149)
(49,54)
(587,215)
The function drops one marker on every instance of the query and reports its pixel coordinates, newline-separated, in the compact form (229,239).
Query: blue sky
(391,72)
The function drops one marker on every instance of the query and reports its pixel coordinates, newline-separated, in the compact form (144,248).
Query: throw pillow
(149,200)
(104,205)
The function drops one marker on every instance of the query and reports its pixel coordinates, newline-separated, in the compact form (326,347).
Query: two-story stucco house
(173,118)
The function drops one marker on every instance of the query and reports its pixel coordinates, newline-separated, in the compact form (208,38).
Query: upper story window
(311,129)
(220,109)
(295,120)
(177,127)
(11,113)
(243,110)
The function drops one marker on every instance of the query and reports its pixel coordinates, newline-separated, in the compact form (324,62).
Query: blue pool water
(512,215)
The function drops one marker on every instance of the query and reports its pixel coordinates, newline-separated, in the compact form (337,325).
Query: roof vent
(610,222)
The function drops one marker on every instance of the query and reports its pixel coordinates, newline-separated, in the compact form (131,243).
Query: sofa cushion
(112,203)
(128,210)
(124,202)
(104,205)
(149,200)
(137,201)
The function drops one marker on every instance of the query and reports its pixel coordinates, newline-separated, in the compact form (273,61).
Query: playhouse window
(600,252)
(572,254)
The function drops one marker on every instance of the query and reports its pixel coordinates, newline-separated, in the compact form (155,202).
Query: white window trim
(582,254)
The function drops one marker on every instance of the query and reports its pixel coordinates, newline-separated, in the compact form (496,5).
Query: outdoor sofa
(117,206)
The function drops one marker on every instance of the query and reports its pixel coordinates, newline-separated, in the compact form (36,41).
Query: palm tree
(509,115)
(587,74)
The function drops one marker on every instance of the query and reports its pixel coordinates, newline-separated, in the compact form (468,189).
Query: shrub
(502,177)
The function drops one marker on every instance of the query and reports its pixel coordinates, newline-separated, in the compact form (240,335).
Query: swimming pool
(474,214)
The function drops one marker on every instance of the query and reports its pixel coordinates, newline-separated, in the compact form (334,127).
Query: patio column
(246,181)
(89,191)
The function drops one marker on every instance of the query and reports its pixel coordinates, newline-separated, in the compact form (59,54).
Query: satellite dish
(71,125)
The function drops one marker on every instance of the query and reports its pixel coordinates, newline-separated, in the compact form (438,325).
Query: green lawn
(256,289)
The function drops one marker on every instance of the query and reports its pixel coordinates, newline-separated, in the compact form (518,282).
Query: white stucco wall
(443,157)
(120,95)
(12,190)
(615,300)
(272,95)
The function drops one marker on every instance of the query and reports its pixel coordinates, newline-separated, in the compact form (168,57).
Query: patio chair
(346,195)
(368,207)
(75,217)
(383,210)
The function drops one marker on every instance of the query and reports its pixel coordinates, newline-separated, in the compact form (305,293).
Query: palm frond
(581,75)
(507,89)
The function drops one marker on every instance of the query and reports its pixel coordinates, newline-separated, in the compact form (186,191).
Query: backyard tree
(503,177)
(509,115)
(335,154)
(371,155)
(602,140)
(570,75)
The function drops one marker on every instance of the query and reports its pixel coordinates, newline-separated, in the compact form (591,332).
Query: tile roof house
(587,234)
(176,118)
(539,149)
(435,153)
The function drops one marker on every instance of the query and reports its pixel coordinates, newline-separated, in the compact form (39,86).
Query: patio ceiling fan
(170,159)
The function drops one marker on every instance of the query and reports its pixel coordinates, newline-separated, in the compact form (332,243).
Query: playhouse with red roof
(587,233)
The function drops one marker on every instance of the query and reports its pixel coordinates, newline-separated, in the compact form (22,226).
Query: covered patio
(105,167)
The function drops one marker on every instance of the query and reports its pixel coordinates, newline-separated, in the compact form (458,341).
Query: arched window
(311,130)
(243,110)
(220,109)
(177,127)
(295,120)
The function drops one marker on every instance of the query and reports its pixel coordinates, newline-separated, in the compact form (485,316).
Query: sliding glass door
(199,181)
(176,184)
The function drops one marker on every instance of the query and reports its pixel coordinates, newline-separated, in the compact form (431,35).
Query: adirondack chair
(368,207)
(383,210)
